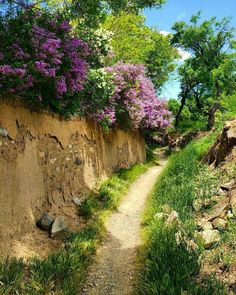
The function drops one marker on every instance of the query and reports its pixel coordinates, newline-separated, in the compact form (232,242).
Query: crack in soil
(115,267)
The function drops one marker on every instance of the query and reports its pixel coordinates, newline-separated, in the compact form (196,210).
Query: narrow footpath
(113,271)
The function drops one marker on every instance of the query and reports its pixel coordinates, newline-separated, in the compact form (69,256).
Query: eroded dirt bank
(45,162)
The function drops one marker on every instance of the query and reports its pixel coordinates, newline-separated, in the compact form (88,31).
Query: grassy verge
(63,271)
(170,266)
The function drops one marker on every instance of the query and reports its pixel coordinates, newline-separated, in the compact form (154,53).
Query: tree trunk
(177,117)
(211,116)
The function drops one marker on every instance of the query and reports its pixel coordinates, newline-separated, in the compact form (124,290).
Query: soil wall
(46,161)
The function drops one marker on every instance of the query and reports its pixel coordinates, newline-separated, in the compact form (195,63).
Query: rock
(218,198)
(227,186)
(232,200)
(219,210)
(204,224)
(78,161)
(45,222)
(222,192)
(172,217)
(77,201)
(197,205)
(229,215)
(210,237)
(3,132)
(223,146)
(191,245)
(59,228)
(52,161)
(219,223)
(41,154)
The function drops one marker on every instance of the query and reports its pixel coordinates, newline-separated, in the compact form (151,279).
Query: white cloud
(183,54)
(165,33)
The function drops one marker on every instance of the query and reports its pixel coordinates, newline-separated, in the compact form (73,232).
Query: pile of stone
(171,217)
(211,224)
(56,227)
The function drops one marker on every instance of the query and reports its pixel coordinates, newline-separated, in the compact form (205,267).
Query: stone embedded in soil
(77,201)
(210,237)
(219,223)
(228,186)
(219,210)
(222,192)
(78,161)
(3,132)
(59,228)
(45,222)
(204,224)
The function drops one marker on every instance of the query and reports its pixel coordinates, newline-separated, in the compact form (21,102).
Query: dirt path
(114,269)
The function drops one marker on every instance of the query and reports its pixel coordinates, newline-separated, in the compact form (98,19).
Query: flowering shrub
(40,59)
(99,42)
(134,103)
(96,96)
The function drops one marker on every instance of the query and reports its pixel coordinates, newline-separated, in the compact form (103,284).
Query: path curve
(114,268)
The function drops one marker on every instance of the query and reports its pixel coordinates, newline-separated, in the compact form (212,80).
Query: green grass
(62,272)
(169,268)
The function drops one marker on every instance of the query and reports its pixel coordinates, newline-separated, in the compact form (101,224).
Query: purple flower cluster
(136,98)
(49,55)
(106,116)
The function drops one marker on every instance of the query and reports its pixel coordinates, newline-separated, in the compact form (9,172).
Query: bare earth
(114,269)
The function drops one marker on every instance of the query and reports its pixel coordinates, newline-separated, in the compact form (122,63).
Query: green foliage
(11,276)
(174,105)
(98,90)
(91,12)
(169,268)
(229,106)
(134,42)
(210,71)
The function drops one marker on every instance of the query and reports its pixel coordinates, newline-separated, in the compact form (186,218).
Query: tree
(134,42)
(93,12)
(210,72)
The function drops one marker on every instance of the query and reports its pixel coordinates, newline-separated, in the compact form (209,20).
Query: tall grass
(169,267)
(62,272)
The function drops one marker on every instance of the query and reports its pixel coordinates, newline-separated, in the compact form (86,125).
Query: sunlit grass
(169,268)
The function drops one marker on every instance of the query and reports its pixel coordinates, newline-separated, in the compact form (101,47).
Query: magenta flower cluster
(49,57)
(134,100)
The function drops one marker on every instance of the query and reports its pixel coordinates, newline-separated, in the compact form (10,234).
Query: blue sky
(176,10)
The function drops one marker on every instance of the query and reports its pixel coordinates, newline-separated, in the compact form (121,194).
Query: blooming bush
(96,96)
(40,59)
(99,42)
(134,103)
(43,60)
